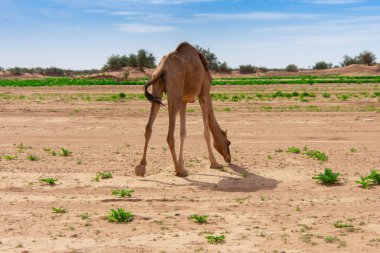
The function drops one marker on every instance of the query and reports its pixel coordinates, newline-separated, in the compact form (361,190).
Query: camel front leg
(140,169)
(180,171)
(182,134)
(206,133)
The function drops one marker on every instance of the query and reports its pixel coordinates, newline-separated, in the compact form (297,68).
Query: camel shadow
(248,182)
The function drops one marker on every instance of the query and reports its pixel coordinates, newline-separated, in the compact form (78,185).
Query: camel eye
(228,143)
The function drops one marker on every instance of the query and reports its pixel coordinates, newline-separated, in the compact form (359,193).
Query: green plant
(215,239)
(53,153)
(372,179)
(50,181)
(10,157)
(65,152)
(340,224)
(318,155)
(365,182)
(375,176)
(330,239)
(294,150)
(32,157)
(328,177)
(199,218)
(103,175)
(120,216)
(123,192)
(59,210)
(326,95)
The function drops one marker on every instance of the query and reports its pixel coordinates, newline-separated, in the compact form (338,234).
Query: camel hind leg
(158,90)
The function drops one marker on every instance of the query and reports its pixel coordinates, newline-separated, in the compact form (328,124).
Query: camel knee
(171,141)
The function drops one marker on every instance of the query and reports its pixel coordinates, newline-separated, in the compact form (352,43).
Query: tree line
(145,59)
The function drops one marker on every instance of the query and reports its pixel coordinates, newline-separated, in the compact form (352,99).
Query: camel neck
(213,125)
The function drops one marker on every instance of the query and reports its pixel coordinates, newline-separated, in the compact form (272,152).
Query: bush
(365,57)
(247,69)
(212,61)
(322,65)
(142,59)
(291,68)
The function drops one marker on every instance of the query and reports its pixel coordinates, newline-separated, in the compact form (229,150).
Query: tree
(367,57)
(322,65)
(212,60)
(247,69)
(145,59)
(142,59)
(291,68)
(348,60)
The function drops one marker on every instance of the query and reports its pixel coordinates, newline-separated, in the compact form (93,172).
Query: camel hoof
(216,166)
(140,170)
(182,174)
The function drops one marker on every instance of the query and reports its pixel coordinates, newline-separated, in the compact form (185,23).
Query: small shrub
(103,175)
(32,157)
(50,181)
(340,224)
(199,218)
(326,95)
(215,239)
(372,179)
(291,68)
(247,69)
(122,95)
(365,182)
(328,177)
(65,152)
(120,216)
(318,155)
(59,210)
(294,150)
(9,157)
(123,192)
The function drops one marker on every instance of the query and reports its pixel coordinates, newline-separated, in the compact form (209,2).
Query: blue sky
(82,34)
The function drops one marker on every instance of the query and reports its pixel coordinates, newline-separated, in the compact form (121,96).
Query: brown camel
(183,75)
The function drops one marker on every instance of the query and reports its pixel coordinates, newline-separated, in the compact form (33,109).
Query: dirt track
(265,201)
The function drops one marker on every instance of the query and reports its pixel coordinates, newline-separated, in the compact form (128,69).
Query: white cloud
(255,16)
(333,2)
(143,28)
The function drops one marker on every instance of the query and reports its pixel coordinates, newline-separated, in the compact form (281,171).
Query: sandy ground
(265,201)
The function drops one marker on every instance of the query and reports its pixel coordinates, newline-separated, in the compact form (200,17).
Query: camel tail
(148,95)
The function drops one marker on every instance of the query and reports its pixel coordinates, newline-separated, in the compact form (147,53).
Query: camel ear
(225,132)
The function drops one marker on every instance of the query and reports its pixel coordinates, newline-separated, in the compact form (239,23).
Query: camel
(183,75)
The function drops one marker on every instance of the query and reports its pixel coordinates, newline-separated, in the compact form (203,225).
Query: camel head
(222,145)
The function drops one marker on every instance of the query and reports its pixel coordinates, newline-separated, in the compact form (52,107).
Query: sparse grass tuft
(328,177)
(294,150)
(215,239)
(372,179)
(49,181)
(65,152)
(340,224)
(120,216)
(318,155)
(10,157)
(59,210)
(123,193)
(32,157)
(200,219)
(103,175)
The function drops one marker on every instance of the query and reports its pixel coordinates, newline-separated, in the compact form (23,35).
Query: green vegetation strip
(217,81)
